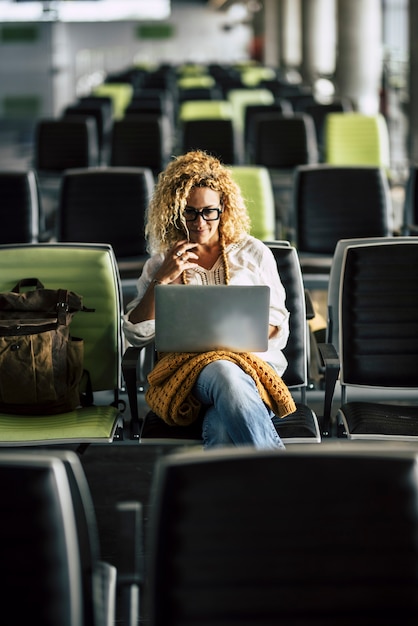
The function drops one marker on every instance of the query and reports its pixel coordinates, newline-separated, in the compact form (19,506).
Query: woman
(198,233)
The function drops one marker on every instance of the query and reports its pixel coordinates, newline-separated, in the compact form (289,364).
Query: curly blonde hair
(165,217)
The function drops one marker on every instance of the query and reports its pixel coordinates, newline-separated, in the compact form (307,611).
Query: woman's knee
(225,370)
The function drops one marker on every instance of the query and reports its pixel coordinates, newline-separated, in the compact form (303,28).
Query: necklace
(224,263)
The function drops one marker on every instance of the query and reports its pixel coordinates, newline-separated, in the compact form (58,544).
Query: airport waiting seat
(283,142)
(332,329)
(60,144)
(51,548)
(120,93)
(253,75)
(200,93)
(378,348)
(215,136)
(332,203)
(257,191)
(91,271)
(352,138)
(295,537)
(64,143)
(23,221)
(204,109)
(101,110)
(153,101)
(241,98)
(143,140)
(252,110)
(333,325)
(190,82)
(107,204)
(299,427)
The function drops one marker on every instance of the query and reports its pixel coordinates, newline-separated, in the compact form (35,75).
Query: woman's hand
(179,258)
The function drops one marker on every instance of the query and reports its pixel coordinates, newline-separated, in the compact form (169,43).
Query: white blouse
(250,262)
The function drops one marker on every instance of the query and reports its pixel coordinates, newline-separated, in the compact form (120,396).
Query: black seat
(283,141)
(301,426)
(61,144)
(50,547)
(101,110)
(215,136)
(64,143)
(107,205)
(296,537)
(23,219)
(251,112)
(337,202)
(144,140)
(378,348)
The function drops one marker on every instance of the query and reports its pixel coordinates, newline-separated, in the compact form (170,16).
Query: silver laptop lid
(200,318)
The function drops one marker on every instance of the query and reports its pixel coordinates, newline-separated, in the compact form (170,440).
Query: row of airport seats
(371,341)
(219,537)
(106,203)
(96,204)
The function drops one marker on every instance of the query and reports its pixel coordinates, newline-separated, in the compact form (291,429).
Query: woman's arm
(160,271)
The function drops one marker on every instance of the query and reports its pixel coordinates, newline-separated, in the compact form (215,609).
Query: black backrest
(283,142)
(106,205)
(379,314)
(247,537)
(142,141)
(295,351)
(40,549)
(252,110)
(20,206)
(200,93)
(333,202)
(65,143)
(97,111)
(216,136)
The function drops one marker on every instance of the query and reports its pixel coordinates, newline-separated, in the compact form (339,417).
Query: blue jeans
(235,414)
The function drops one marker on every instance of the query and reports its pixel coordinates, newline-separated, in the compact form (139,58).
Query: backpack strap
(62,306)
(27,282)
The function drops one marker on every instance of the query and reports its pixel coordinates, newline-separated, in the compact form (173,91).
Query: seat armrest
(129,370)
(129,560)
(331,364)
(310,310)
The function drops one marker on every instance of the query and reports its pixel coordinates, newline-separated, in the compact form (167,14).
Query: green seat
(91,271)
(352,138)
(189,82)
(252,76)
(205,109)
(257,191)
(241,98)
(121,94)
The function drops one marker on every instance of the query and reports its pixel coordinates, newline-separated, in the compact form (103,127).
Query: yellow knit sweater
(172,379)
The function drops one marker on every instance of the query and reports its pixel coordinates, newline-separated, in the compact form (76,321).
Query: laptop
(201,318)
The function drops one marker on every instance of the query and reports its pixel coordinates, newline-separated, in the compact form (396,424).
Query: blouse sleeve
(142,333)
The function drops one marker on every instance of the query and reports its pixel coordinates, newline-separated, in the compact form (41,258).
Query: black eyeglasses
(209,215)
